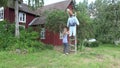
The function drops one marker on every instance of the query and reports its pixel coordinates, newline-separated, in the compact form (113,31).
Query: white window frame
(1,13)
(42,33)
(61,35)
(22,17)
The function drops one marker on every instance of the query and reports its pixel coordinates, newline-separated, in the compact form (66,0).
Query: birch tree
(34,4)
(16,20)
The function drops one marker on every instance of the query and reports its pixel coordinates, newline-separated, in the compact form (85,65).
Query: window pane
(23,17)
(42,33)
(1,13)
(61,35)
(20,18)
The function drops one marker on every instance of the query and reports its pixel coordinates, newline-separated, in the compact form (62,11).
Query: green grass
(104,56)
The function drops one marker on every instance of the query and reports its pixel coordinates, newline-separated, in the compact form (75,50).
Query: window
(22,17)
(42,34)
(1,14)
(61,35)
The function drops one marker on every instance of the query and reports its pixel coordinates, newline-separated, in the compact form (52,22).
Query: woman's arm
(67,32)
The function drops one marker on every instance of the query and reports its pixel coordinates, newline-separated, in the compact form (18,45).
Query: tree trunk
(16,20)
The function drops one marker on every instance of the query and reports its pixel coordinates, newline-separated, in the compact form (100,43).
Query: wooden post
(16,19)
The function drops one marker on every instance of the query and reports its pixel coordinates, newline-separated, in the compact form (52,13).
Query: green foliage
(34,4)
(106,24)
(6,33)
(56,20)
(3,2)
(85,30)
(28,39)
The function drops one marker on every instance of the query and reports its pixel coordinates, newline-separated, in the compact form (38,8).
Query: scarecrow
(72,23)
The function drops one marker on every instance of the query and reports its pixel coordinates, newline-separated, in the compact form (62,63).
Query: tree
(56,20)
(34,4)
(3,2)
(106,23)
(85,29)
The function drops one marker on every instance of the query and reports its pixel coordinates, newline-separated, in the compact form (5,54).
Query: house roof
(59,6)
(37,21)
(25,8)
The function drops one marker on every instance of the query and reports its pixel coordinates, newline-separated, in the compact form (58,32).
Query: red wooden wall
(29,18)
(52,38)
(9,15)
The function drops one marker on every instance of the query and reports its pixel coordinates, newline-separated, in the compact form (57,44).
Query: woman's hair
(66,28)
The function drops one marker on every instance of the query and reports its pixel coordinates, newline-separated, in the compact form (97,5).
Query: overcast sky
(54,1)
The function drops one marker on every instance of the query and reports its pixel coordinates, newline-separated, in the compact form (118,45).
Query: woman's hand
(67,32)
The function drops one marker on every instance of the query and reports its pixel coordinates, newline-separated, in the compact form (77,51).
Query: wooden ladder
(73,44)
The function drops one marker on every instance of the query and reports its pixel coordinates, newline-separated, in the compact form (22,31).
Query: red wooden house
(25,14)
(47,36)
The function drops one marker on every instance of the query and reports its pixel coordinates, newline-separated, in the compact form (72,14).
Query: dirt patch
(100,57)
(87,60)
(58,48)
(88,49)
(115,63)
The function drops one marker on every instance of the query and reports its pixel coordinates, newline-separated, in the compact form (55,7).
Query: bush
(27,41)
(6,33)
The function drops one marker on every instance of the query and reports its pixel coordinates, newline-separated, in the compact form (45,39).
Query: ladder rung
(72,50)
(72,45)
(72,39)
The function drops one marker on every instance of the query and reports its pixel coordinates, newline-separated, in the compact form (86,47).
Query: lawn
(104,56)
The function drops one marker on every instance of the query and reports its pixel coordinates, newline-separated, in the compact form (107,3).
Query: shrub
(27,41)
(6,33)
